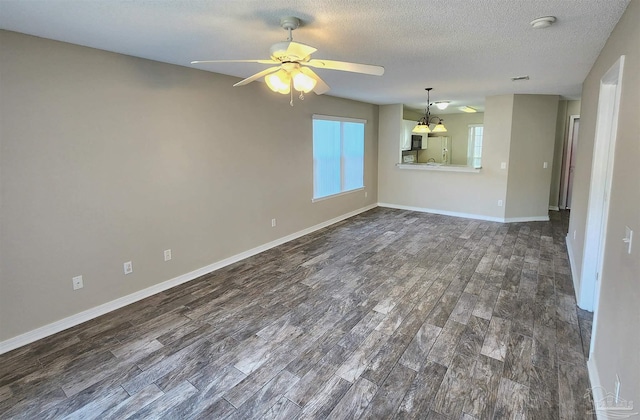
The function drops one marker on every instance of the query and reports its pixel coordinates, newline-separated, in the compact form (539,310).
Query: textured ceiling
(464,49)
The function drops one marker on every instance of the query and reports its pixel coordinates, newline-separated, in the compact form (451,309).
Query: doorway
(568,165)
(599,190)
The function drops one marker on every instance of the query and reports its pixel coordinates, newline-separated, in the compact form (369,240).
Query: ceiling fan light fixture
(442,105)
(292,61)
(279,82)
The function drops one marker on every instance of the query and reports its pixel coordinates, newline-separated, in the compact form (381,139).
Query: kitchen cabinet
(406,136)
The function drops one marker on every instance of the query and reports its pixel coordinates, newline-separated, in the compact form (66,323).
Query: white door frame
(568,156)
(599,191)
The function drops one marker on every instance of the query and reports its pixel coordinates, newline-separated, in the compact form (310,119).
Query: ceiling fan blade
(236,61)
(321,87)
(257,76)
(346,66)
(299,50)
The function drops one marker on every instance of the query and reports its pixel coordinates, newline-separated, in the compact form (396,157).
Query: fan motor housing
(279,52)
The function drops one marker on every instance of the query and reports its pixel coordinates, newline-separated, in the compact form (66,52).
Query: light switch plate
(628,238)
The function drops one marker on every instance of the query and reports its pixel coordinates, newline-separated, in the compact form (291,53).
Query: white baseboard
(554,208)
(526,219)
(442,212)
(79,318)
(597,390)
(572,266)
(466,215)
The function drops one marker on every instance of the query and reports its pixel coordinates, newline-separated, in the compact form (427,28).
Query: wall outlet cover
(128,267)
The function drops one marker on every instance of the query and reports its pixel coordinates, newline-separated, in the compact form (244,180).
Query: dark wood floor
(388,314)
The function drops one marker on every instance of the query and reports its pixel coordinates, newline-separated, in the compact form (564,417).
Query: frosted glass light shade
(303,83)
(421,128)
(279,81)
(439,128)
(442,105)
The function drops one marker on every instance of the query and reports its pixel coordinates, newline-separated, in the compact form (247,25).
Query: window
(474,155)
(338,155)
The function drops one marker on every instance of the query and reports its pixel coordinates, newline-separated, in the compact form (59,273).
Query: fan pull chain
(291,101)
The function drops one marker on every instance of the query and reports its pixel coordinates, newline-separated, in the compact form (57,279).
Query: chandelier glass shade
(439,128)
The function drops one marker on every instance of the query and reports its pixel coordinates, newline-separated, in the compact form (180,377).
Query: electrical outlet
(545,165)
(77,282)
(167,254)
(365,194)
(503,165)
(500,203)
(273,222)
(617,390)
(128,267)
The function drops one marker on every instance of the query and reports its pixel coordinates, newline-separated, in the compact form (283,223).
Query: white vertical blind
(338,156)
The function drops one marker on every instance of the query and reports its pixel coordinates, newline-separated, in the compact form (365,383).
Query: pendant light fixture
(423,124)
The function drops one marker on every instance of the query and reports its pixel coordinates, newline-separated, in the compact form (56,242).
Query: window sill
(326,197)
(441,168)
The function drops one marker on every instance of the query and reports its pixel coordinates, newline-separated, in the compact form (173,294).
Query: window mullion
(342,175)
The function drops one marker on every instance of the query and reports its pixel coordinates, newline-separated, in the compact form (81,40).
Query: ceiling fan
(293,60)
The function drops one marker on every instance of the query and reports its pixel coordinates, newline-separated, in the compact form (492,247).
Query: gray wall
(617,344)
(107,158)
(533,131)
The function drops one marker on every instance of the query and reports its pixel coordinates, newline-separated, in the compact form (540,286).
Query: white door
(599,189)
(573,142)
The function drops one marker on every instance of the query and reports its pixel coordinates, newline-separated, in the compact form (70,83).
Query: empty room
(329,210)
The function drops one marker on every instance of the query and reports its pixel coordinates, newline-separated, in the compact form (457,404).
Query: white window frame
(341,120)
(472,151)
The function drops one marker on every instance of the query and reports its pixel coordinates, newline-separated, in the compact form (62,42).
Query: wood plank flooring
(389,314)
